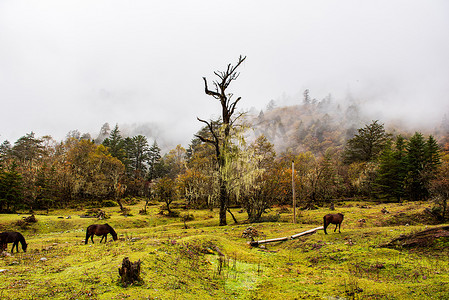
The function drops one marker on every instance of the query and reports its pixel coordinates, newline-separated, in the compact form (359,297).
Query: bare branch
(204,140)
(236,118)
(212,131)
(232,108)
(209,92)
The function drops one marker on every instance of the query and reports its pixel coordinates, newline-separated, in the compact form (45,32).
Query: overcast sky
(67,65)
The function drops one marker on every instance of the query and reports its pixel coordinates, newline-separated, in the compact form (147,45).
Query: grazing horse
(97,229)
(12,237)
(333,219)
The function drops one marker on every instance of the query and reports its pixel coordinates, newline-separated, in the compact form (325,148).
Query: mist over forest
(302,122)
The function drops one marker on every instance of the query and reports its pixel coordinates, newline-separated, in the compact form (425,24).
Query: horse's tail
(87,235)
(324,224)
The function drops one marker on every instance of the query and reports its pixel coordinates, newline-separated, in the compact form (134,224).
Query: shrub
(109,203)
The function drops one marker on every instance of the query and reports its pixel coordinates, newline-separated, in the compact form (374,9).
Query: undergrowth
(193,258)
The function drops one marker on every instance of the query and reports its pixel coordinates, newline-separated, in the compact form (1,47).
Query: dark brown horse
(98,229)
(333,219)
(12,237)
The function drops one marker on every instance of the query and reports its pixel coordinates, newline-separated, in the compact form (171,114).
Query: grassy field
(185,263)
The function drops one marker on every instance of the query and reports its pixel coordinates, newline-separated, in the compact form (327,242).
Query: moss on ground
(205,261)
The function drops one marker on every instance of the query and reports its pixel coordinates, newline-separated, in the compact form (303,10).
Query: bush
(173,214)
(270,218)
(130,200)
(109,203)
(187,217)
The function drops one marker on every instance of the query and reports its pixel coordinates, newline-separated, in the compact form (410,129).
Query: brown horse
(97,229)
(333,219)
(12,237)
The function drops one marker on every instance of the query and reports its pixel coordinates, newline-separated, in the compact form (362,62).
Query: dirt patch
(424,238)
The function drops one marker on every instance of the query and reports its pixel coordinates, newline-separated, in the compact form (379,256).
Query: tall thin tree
(221,139)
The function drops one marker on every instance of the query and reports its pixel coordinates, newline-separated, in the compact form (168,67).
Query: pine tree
(115,144)
(5,150)
(432,155)
(367,144)
(136,149)
(154,157)
(390,175)
(11,191)
(27,149)
(415,161)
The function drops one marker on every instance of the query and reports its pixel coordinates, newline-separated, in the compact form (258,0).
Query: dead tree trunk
(221,140)
(129,272)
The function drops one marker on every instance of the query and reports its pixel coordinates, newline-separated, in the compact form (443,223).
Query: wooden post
(293,192)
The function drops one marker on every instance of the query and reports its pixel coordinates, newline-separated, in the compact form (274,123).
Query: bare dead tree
(221,140)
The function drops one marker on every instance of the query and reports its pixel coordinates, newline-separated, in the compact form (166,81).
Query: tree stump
(30,219)
(129,272)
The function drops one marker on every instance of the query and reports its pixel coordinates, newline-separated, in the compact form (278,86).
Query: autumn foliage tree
(166,191)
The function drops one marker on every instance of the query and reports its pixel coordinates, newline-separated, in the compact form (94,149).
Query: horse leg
(92,238)
(325,226)
(102,237)
(14,245)
(336,225)
(339,226)
(105,238)
(87,238)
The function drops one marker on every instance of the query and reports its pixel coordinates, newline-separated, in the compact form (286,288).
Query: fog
(75,65)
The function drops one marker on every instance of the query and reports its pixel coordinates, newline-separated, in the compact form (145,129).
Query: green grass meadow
(206,261)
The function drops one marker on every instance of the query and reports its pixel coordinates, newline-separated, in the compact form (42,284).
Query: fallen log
(286,238)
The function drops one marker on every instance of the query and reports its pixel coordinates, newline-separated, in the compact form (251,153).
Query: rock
(250,232)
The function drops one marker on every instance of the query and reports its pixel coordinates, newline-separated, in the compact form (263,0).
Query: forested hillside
(316,125)
(336,150)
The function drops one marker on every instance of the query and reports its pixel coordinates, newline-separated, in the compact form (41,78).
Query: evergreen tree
(136,149)
(415,161)
(390,175)
(154,158)
(367,144)
(27,149)
(104,132)
(432,155)
(11,191)
(115,144)
(5,150)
